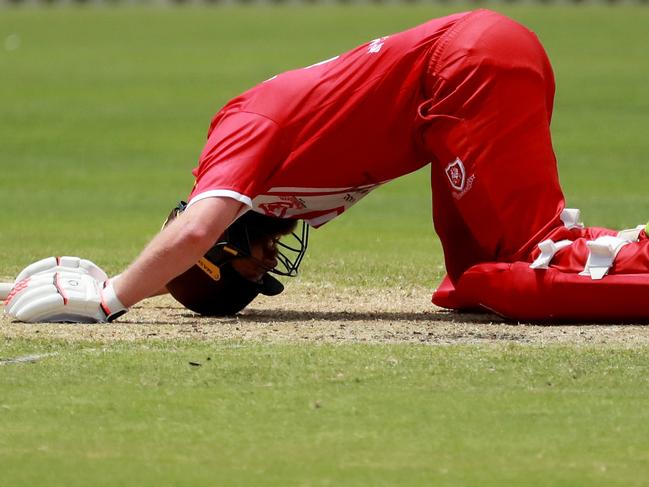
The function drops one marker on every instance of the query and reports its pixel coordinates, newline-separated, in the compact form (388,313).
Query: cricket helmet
(213,287)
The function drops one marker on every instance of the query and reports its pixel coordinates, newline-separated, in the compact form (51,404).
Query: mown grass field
(103,114)
(139,414)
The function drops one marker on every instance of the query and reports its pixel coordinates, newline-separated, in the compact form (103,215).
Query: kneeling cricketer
(470,94)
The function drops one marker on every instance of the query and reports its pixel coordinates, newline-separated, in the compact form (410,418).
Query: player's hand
(74,297)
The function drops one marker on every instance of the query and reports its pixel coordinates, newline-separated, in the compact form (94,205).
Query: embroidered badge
(456,174)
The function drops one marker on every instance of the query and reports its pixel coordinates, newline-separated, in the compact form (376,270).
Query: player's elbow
(197,239)
(198,228)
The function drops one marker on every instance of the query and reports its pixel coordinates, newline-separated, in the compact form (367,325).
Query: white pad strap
(548,250)
(570,218)
(603,251)
(631,234)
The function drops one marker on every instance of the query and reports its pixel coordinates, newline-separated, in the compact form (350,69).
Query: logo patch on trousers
(456,174)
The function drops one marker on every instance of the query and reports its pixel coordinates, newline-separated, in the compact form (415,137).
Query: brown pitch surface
(313,313)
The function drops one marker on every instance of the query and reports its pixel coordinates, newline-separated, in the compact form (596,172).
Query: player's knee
(504,43)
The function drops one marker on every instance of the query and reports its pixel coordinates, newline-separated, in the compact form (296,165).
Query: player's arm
(174,250)
(228,157)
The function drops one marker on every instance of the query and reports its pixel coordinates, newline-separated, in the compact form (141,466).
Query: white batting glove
(72,297)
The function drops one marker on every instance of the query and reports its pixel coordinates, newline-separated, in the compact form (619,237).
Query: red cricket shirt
(311,142)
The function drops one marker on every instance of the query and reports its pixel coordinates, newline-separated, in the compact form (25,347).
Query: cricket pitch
(314,313)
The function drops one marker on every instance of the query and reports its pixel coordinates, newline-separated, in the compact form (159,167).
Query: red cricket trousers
(486,124)
(496,193)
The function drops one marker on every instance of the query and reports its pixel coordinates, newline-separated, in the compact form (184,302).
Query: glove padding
(63,264)
(55,264)
(72,297)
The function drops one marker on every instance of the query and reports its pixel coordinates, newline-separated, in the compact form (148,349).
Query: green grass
(103,115)
(255,414)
